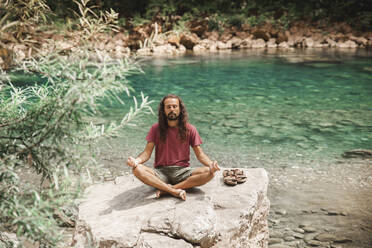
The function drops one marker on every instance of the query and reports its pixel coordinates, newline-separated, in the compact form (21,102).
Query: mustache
(172,116)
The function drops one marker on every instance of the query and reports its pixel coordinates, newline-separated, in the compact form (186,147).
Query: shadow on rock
(143,195)
(138,196)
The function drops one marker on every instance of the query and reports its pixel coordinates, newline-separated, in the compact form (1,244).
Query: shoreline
(148,41)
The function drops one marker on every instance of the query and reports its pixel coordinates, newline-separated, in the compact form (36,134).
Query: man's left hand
(213,167)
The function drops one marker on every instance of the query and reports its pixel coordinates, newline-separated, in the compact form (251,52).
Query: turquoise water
(261,108)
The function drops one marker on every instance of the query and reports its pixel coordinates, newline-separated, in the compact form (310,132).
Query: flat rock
(325,237)
(275,241)
(313,242)
(125,213)
(309,229)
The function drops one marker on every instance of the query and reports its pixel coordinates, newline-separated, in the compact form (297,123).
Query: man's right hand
(132,162)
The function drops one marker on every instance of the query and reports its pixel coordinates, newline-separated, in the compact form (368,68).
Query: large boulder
(189,40)
(124,213)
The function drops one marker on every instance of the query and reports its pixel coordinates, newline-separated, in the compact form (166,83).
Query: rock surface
(125,213)
(8,240)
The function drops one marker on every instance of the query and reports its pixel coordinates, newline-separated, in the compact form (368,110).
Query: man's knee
(207,170)
(138,171)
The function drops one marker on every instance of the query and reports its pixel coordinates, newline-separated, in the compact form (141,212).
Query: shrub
(44,132)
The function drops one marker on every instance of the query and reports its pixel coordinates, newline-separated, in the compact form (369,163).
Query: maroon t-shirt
(173,151)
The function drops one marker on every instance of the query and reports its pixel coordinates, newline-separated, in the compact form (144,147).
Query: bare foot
(180,193)
(159,193)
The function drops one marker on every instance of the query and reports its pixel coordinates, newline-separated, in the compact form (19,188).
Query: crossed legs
(199,176)
(147,176)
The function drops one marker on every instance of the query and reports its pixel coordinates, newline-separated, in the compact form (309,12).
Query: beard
(172,116)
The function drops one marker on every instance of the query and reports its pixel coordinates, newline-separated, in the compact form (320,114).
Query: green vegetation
(357,13)
(44,132)
(47,143)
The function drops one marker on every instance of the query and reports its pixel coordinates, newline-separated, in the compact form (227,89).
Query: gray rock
(309,236)
(342,240)
(333,212)
(276,234)
(299,230)
(126,214)
(274,222)
(298,235)
(281,212)
(313,242)
(294,243)
(325,237)
(309,229)
(289,238)
(275,241)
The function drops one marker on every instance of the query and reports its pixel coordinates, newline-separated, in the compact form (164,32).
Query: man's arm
(143,157)
(205,160)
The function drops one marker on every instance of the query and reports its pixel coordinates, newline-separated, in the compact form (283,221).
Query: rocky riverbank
(149,40)
(328,205)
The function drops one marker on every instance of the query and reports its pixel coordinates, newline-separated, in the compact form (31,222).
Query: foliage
(20,17)
(92,24)
(44,133)
(216,22)
(137,20)
(237,20)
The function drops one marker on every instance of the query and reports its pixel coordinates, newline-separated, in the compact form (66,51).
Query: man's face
(172,108)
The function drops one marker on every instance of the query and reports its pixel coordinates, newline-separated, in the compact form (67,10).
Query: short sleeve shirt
(173,151)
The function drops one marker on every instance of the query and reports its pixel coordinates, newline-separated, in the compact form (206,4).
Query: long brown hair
(182,119)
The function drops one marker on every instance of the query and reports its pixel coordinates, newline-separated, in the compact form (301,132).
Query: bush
(44,133)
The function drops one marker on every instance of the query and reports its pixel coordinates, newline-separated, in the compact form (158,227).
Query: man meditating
(172,137)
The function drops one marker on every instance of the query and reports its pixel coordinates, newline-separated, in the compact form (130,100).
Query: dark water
(261,108)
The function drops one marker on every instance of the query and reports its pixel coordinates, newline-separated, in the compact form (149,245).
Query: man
(172,137)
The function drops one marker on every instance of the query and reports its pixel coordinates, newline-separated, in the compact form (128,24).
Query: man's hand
(213,167)
(132,162)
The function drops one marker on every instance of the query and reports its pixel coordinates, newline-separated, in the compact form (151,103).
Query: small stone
(333,212)
(325,237)
(289,238)
(342,240)
(299,230)
(295,243)
(309,236)
(281,212)
(309,229)
(313,242)
(276,234)
(302,225)
(275,222)
(298,235)
(275,241)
